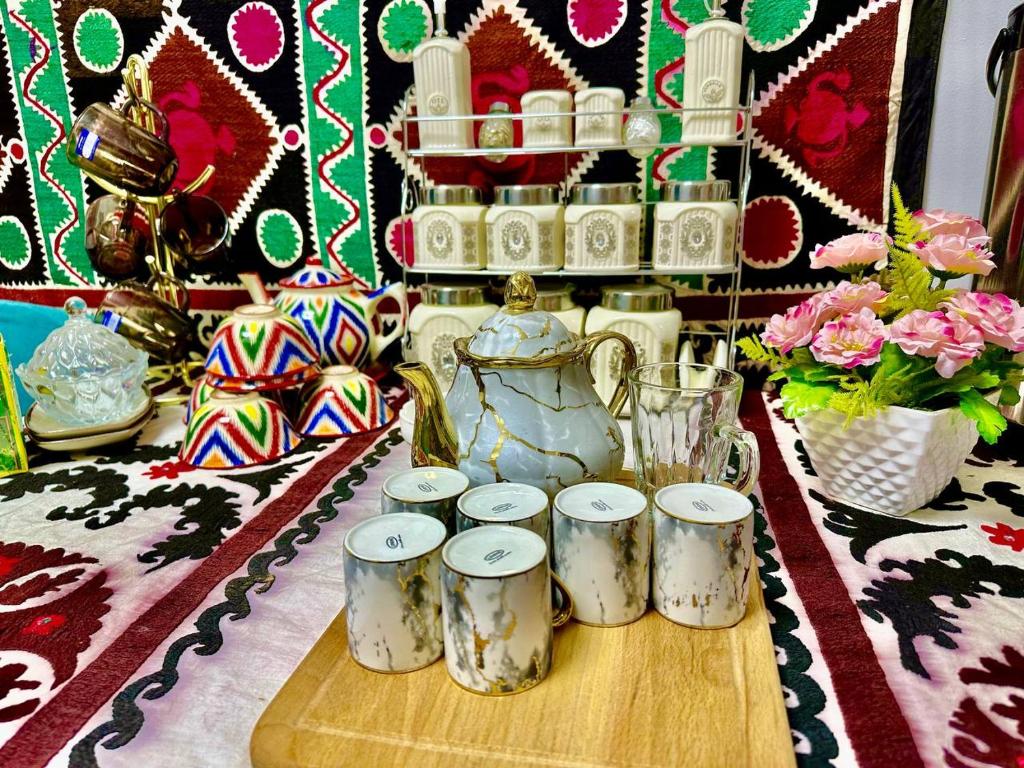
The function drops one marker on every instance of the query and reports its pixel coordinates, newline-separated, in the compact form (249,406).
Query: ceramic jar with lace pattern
(445,313)
(448,228)
(602,228)
(525,229)
(694,226)
(558,301)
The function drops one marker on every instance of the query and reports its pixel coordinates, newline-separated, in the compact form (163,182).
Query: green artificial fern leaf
(752,347)
(990,421)
(906,229)
(800,398)
(911,282)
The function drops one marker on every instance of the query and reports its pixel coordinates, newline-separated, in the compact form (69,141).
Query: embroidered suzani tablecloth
(150,611)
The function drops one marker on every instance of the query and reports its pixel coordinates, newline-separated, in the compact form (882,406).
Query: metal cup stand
(161,263)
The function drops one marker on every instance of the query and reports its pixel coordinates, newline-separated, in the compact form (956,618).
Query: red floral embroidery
(168,470)
(1005,536)
(44,625)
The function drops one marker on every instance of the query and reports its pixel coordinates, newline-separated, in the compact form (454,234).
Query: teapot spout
(433,439)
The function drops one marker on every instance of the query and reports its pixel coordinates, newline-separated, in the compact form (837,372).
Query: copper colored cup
(148,321)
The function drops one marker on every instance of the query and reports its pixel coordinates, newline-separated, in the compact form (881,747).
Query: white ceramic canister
(446,313)
(525,229)
(599,117)
(644,314)
(448,228)
(694,226)
(703,554)
(547,130)
(516,504)
(714,53)
(393,591)
(441,71)
(602,546)
(558,301)
(602,228)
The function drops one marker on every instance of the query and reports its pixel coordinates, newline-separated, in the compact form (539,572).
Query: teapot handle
(396,291)
(593,341)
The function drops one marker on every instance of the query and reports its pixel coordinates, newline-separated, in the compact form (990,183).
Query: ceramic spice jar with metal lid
(694,226)
(641,312)
(445,313)
(558,301)
(525,228)
(448,228)
(602,228)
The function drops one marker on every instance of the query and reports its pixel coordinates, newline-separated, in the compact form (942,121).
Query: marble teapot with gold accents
(522,406)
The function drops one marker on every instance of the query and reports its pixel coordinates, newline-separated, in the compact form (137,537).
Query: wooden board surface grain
(646,695)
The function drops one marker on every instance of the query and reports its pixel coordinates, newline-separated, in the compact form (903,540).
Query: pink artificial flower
(850,297)
(793,329)
(999,318)
(935,334)
(851,340)
(954,254)
(937,221)
(853,253)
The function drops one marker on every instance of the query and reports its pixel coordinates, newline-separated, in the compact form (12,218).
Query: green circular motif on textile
(279,237)
(99,41)
(15,248)
(773,24)
(402,25)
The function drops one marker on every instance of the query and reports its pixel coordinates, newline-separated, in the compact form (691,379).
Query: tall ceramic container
(714,53)
(447,313)
(440,68)
(643,313)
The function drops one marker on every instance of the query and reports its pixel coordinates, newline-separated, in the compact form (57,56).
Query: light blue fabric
(24,326)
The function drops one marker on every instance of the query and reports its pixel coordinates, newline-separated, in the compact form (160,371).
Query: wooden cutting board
(646,695)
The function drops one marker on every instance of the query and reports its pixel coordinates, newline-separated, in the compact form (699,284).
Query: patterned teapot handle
(593,341)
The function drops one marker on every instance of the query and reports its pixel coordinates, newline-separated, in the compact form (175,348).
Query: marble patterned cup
(393,593)
(516,504)
(703,554)
(431,491)
(602,546)
(497,611)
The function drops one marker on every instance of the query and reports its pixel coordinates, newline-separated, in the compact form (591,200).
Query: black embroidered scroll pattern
(106,487)
(908,600)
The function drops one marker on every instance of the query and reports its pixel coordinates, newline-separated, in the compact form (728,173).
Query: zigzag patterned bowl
(342,402)
(274,384)
(259,343)
(201,392)
(230,431)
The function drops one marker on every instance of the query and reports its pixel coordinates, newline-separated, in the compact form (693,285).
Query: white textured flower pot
(895,462)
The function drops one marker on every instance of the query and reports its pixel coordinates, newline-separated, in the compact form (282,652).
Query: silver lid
(452,194)
(526,194)
(604,194)
(696,191)
(646,297)
(554,298)
(450,295)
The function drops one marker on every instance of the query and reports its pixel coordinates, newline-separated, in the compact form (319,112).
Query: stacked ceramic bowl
(261,368)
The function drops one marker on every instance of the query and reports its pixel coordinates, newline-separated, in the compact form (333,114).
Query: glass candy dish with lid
(84,373)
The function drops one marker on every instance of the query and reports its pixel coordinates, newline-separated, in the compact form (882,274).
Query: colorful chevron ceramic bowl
(341,402)
(258,343)
(201,392)
(230,431)
(274,384)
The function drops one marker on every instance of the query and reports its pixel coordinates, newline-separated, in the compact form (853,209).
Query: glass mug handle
(564,611)
(750,457)
(593,341)
(161,126)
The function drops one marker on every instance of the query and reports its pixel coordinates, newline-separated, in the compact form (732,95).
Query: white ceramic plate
(41,427)
(88,442)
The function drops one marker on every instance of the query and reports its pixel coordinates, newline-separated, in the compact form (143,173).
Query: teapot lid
(519,331)
(315,275)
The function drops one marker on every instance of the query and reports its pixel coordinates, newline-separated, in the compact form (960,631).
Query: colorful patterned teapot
(523,402)
(337,316)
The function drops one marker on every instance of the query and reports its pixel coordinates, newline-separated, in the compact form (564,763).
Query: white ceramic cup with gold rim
(602,549)
(497,609)
(431,491)
(393,591)
(516,504)
(703,554)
